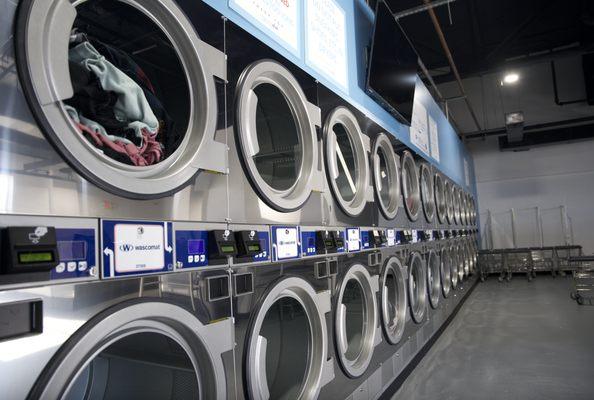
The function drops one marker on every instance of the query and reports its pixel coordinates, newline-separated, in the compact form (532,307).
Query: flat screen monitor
(393,65)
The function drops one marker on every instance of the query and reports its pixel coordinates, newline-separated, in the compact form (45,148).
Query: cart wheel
(500,279)
(482,278)
(573,296)
(530,278)
(508,278)
(580,301)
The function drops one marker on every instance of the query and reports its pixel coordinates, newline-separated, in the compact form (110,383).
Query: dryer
(449,202)
(347,135)
(276,173)
(356,322)
(71,148)
(427,186)
(411,192)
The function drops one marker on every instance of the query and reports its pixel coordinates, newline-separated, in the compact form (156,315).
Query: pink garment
(148,154)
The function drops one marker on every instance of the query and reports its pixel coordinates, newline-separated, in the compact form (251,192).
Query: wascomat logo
(144,247)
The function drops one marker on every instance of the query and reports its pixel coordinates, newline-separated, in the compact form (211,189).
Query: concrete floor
(518,340)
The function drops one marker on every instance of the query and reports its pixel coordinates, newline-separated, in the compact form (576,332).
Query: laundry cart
(492,262)
(519,261)
(583,279)
(562,256)
(542,259)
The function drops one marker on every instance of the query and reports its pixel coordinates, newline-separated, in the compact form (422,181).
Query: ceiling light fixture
(510,79)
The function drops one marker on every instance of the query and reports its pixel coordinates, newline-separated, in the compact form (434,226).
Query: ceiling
(489,38)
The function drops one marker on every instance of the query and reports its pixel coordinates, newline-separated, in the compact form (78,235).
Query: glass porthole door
(393,300)
(417,287)
(104,101)
(427,192)
(287,345)
(440,198)
(446,272)
(411,192)
(449,199)
(346,161)
(356,320)
(433,278)
(276,133)
(386,176)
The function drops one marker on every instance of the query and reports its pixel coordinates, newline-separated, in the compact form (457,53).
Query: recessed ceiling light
(510,79)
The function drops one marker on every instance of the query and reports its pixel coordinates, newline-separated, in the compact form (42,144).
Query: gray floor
(518,340)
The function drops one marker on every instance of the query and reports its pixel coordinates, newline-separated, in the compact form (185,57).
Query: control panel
(378,238)
(39,250)
(253,245)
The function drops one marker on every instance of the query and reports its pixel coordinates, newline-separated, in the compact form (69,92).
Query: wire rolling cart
(583,279)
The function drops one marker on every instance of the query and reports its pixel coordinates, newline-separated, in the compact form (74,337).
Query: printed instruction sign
(286,242)
(136,247)
(326,40)
(434,136)
(353,239)
(278,18)
(419,132)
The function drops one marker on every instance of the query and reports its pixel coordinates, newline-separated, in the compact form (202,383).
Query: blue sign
(308,243)
(365,242)
(132,248)
(76,252)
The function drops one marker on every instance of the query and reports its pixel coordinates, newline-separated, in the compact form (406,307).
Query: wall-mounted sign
(280,19)
(419,131)
(434,136)
(326,40)
(136,247)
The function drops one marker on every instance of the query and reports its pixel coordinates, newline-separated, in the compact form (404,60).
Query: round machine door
(393,300)
(446,272)
(454,266)
(135,117)
(456,204)
(276,134)
(427,192)
(138,349)
(461,261)
(449,200)
(355,322)
(440,198)
(287,343)
(417,287)
(410,186)
(386,176)
(433,278)
(463,211)
(346,161)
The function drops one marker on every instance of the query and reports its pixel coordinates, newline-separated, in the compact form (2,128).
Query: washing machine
(386,178)
(348,137)
(411,192)
(282,329)
(427,186)
(456,205)
(449,202)
(72,147)
(445,259)
(441,203)
(276,169)
(65,334)
(356,322)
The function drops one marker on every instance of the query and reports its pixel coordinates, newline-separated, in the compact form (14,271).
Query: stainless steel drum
(410,186)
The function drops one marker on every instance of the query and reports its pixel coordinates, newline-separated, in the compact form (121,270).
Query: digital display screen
(72,250)
(195,246)
(254,247)
(339,242)
(311,242)
(329,243)
(227,248)
(392,72)
(36,257)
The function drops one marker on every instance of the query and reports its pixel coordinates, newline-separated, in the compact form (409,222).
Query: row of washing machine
(255,256)
(243,135)
(329,326)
